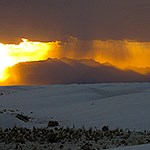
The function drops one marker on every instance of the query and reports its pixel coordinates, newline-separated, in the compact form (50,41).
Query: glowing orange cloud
(121,54)
(11,54)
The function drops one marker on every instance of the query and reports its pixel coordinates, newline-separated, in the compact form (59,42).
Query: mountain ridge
(68,71)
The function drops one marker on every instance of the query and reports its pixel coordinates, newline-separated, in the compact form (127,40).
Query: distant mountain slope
(64,71)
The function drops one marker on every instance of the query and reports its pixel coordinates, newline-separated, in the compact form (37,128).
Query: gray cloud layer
(84,19)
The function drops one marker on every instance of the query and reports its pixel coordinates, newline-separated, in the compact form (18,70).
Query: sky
(113,33)
(46,20)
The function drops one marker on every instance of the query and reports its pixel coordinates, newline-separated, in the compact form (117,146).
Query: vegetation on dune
(86,138)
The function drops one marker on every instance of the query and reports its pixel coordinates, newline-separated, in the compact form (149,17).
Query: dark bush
(105,128)
(53,123)
(22,117)
(52,137)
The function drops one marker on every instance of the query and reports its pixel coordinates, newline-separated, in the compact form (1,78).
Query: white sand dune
(123,105)
(139,147)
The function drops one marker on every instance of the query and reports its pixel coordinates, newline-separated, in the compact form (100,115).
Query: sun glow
(122,54)
(11,54)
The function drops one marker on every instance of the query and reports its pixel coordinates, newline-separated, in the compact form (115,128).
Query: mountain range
(68,71)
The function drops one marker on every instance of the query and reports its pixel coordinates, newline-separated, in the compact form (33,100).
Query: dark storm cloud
(85,19)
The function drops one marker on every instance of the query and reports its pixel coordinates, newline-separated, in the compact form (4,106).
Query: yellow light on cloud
(122,54)
(11,54)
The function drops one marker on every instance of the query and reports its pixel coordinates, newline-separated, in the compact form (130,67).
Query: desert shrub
(53,123)
(23,117)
